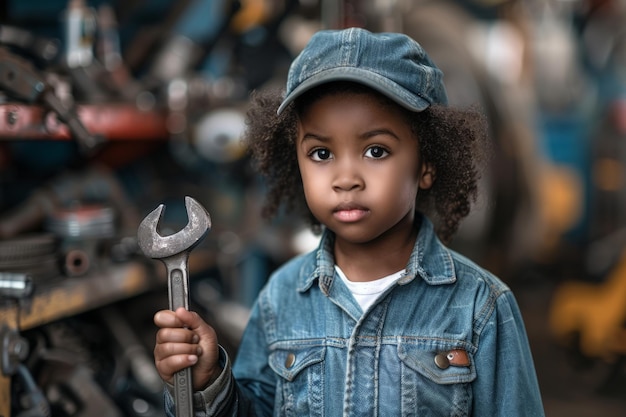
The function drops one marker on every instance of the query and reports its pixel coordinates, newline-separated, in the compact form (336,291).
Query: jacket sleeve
(506,384)
(250,394)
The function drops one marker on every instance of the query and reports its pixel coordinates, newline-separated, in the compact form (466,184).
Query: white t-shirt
(366,293)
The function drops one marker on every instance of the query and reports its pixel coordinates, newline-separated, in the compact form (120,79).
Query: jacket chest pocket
(300,381)
(436,382)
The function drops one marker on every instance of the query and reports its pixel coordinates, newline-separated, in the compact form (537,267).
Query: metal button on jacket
(442,361)
(290,360)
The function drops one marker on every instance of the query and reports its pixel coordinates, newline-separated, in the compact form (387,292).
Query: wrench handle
(183,391)
(178,288)
(178,291)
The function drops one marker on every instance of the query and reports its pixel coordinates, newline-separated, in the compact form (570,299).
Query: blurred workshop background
(110,108)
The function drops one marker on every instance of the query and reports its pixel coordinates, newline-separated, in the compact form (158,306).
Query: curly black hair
(453,140)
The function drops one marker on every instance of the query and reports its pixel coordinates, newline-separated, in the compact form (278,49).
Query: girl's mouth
(350,212)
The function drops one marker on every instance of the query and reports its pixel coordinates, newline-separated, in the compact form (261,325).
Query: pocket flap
(429,363)
(289,362)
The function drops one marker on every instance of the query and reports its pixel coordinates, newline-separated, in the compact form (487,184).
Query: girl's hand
(184,340)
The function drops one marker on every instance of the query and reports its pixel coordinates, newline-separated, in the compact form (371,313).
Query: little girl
(381,319)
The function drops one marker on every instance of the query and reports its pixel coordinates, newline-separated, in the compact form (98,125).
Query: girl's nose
(347,176)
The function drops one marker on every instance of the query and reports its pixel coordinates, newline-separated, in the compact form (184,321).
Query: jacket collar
(430,260)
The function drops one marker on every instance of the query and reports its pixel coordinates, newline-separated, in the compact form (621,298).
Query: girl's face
(360,167)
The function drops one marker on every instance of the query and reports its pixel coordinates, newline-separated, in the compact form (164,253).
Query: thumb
(194,322)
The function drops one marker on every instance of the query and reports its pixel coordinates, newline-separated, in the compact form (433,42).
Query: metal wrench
(173,251)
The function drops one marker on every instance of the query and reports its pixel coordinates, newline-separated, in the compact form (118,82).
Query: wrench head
(155,246)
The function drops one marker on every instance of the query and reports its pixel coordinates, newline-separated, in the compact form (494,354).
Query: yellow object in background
(560,205)
(252,13)
(596,313)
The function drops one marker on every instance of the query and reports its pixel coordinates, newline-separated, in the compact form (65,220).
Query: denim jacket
(446,340)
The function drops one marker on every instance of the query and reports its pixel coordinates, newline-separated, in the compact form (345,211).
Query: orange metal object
(114,121)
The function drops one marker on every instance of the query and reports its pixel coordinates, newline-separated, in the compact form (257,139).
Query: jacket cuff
(215,396)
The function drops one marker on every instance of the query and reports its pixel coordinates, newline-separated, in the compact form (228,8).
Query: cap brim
(371,79)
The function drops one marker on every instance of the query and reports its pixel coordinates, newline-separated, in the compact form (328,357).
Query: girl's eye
(376,152)
(320,154)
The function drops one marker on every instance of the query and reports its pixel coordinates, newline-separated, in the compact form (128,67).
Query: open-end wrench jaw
(155,246)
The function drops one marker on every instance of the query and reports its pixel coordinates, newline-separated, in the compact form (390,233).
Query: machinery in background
(588,309)
(96,126)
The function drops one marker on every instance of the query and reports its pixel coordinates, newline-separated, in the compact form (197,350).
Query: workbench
(72,296)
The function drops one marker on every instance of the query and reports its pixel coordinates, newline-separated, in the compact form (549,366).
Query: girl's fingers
(176,335)
(167,350)
(184,319)
(168,366)
(171,357)
(167,318)
(183,340)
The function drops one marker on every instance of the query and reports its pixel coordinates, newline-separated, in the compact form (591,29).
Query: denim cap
(391,63)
